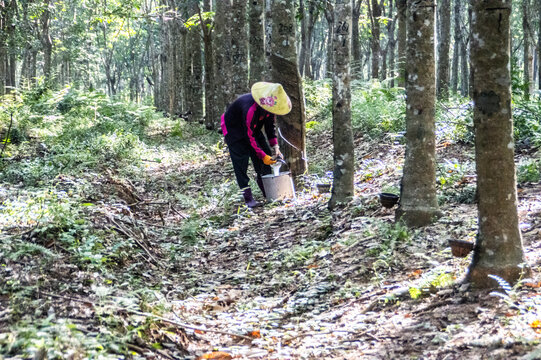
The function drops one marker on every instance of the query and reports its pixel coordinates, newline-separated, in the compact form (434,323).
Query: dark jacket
(244,120)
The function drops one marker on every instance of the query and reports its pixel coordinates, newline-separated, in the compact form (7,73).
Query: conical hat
(271,97)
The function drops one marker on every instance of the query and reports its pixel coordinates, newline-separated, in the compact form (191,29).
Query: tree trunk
(464,68)
(285,71)
(356,41)
(392,43)
(457,16)
(257,42)
(444,40)
(268,38)
(401,9)
(498,249)
(539,48)
(310,24)
(344,158)
(239,49)
(3,47)
(222,51)
(196,82)
(46,42)
(418,201)
(329,52)
(527,54)
(374,13)
(302,54)
(212,113)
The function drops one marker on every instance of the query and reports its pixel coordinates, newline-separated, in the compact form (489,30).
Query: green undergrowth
(72,161)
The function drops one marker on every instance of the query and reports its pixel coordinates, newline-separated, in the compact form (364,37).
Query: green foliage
(529,171)
(377,111)
(318,95)
(431,282)
(78,131)
(455,180)
(527,122)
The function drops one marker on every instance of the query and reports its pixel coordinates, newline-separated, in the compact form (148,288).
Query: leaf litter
(287,281)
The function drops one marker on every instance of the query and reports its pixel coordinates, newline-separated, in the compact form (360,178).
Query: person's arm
(250,126)
(270,130)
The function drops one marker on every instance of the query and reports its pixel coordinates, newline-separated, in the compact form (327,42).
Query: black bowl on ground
(323,188)
(388,200)
(461,248)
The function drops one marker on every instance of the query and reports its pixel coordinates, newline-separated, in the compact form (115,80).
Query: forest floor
(285,281)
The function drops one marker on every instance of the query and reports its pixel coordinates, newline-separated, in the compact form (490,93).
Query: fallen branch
(145,314)
(131,235)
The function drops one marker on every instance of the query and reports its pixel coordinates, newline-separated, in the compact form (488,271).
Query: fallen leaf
(312,266)
(256,334)
(415,273)
(199,332)
(533,285)
(216,355)
(536,325)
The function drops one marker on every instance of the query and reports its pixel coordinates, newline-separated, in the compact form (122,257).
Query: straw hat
(271,97)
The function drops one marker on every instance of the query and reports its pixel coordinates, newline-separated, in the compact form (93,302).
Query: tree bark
(257,42)
(539,48)
(46,41)
(329,53)
(498,250)
(464,66)
(239,49)
(527,54)
(401,9)
(392,43)
(457,16)
(285,71)
(212,114)
(374,11)
(222,51)
(418,202)
(356,41)
(444,40)
(343,158)
(302,54)
(310,24)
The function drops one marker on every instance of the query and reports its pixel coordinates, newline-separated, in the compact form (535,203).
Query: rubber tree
(239,48)
(444,41)
(419,203)
(498,250)
(344,159)
(222,52)
(401,10)
(257,41)
(292,129)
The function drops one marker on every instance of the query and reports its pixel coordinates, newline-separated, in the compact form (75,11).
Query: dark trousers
(241,151)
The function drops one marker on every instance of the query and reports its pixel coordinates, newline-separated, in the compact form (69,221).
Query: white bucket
(278,187)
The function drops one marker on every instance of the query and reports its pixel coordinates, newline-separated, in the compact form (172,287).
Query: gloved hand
(277,152)
(267,160)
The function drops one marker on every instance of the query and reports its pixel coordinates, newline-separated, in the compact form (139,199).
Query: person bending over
(242,126)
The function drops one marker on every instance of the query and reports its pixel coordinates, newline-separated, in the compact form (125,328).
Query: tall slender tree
(539,46)
(344,159)
(444,41)
(239,49)
(402,35)
(498,248)
(257,41)
(222,51)
(527,53)
(374,13)
(456,48)
(292,130)
(419,203)
(356,40)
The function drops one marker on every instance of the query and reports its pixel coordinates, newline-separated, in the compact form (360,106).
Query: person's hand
(277,152)
(267,160)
